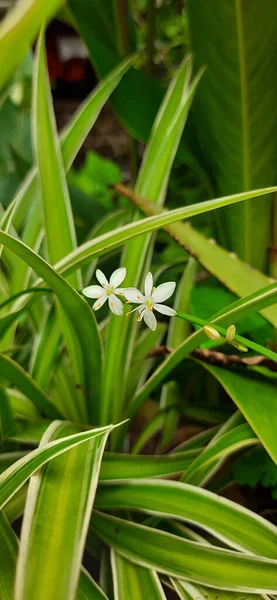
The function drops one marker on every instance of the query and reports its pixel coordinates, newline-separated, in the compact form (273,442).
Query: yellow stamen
(128,302)
(139,319)
(127,314)
(138,297)
(98,303)
(112,303)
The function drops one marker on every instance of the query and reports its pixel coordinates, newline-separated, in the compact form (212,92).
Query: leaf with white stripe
(200,563)
(56,517)
(128,576)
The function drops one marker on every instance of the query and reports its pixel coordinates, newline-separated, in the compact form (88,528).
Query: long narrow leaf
(127,576)
(79,315)
(56,518)
(192,561)
(232,523)
(22,23)
(15,476)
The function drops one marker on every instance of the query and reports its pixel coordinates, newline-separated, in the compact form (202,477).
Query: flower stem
(238,338)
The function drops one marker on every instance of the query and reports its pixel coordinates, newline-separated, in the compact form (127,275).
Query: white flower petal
(165,310)
(164,291)
(117,277)
(94,291)
(150,319)
(133,295)
(101,278)
(115,305)
(100,302)
(148,284)
(119,291)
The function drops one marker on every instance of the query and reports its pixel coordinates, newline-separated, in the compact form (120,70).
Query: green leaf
(159,219)
(238,276)
(127,576)
(7,420)
(151,182)
(226,317)
(22,23)
(250,392)
(187,591)
(174,556)
(79,315)
(22,380)
(15,476)
(218,449)
(56,517)
(177,332)
(88,589)
(125,466)
(58,218)
(96,23)
(234,524)
(235,112)
(8,557)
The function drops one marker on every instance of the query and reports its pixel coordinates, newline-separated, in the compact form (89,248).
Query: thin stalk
(151,19)
(123,45)
(238,338)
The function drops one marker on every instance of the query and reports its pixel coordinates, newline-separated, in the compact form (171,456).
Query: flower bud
(230,333)
(211,332)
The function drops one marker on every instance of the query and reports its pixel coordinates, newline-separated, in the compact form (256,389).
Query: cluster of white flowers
(148,302)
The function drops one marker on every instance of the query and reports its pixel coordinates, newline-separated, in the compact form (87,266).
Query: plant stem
(123,44)
(151,14)
(238,338)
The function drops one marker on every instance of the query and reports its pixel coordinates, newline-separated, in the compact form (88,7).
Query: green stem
(151,14)
(238,338)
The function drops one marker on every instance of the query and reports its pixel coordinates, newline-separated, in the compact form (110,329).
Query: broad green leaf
(22,23)
(8,557)
(22,380)
(235,112)
(15,476)
(192,561)
(56,517)
(250,392)
(96,23)
(211,457)
(128,576)
(88,589)
(79,315)
(234,524)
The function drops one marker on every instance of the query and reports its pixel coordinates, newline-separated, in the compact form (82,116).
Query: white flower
(107,291)
(151,300)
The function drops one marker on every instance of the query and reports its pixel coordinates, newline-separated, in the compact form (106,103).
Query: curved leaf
(234,524)
(192,561)
(56,517)
(15,476)
(79,315)
(127,576)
